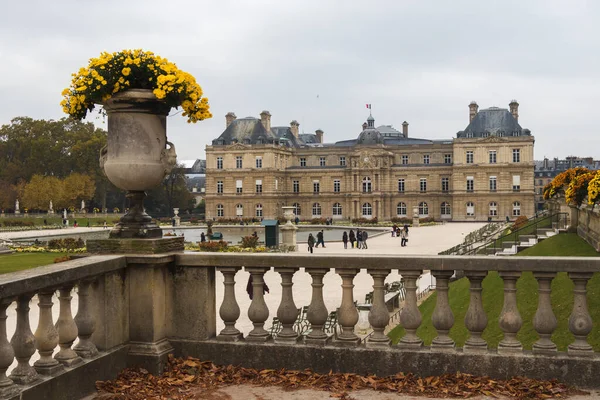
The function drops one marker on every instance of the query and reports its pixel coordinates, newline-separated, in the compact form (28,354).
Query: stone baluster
(317,312)
(510,320)
(85,321)
(410,316)
(442,317)
(230,310)
(347,313)
(580,322)
(475,319)
(258,312)
(287,311)
(67,329)
(7,355)
(544,320)
(23,343)
(379,316)
(46,336)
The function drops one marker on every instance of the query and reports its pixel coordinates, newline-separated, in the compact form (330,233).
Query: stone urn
(288,230)
(136,157)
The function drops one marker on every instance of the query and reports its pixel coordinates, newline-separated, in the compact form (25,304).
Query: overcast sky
(321,61)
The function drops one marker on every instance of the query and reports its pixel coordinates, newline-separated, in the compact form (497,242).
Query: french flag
(369,106)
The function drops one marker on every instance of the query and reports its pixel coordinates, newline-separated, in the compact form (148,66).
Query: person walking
(394,230)
(320,239)
(250,287)
(358,239)
(404,236)
(202,237)
(345,239)
(352,238)
(365,236)
(311,242)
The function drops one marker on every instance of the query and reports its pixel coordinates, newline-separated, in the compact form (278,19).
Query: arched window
(239,210)
(516,209)
(470,209)
(493,209)
(297,209)
(259,210)
(337,209)
(220,210)
(401,209)
(367,210)
(316,210)
(445,208)
(366,184)
(423,209)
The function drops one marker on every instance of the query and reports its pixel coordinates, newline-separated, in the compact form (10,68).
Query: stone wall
(588,225)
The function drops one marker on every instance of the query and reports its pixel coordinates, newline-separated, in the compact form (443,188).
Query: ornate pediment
(238,147)
(371,159)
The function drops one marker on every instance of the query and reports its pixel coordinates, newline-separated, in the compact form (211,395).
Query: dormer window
(469,134)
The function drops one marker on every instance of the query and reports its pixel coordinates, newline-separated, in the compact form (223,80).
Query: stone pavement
(47,232)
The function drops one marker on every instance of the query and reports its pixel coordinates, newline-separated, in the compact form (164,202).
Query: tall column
(379,316)
(317,312)
(67,330)
(475,319)
(230,310)
(46,336)
(410,316)
(347,313)
(7,355)
(23,343)
(442,317)
(580,322)
(510,320)
(544,320)
(86,322)
(258,312)
(287,311)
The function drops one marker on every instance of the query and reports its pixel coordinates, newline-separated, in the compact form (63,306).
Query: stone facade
(487,170)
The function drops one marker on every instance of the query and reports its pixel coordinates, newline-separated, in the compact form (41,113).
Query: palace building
(485,171)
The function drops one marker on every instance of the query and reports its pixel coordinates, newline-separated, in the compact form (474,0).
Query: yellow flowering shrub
(112,73)
(577,190)
(562,180)
(593,189)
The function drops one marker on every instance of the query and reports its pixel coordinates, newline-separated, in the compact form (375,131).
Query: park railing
(136,310)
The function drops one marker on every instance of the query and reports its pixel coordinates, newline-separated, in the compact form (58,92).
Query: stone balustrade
(135,310)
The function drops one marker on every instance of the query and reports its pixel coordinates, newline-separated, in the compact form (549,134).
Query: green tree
(171,194)
(77,187)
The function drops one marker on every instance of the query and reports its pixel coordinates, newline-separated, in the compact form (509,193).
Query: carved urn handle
(103,156)
(168,158)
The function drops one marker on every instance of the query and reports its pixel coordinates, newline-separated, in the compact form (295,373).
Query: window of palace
(470,184)
(322,161)
(303,161)
(297,209)
(493,209)
(401,185)
(219,162)
(316,187)
(366,184)
(219,187)
(516,155)
(337,209)
(516,186)
(469,157)
(238,186)
(336,186)
(239,210)
(404,159)
(447,158)
(493,158)
(220,210)
(401,209)
(259,210)
(316,210)
(342,161)
(367,210)
(493,183)
(423,209)
(238,161)
(426,159)
(516,211)
(423,184)
(470,209)
(259,162)
(296,186)
(259,186)
(445,208)
(445,184)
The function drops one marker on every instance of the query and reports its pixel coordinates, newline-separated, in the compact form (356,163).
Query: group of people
(401,233)
(360,238)
(312,243)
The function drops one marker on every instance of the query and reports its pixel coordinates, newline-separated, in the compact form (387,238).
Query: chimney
(364,126)
(545,163)
(294,128)
(405,129)
(229,118)
(514,109)
(265,118)
(473,107)
(319,134)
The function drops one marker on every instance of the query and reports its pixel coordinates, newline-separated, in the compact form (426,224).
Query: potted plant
(137,89)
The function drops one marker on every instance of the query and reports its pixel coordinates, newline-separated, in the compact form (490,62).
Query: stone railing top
(55,275)
(402,263)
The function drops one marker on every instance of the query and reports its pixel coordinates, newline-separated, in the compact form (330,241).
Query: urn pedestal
(288,230)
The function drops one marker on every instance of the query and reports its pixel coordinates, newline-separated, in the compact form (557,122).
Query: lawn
(20,261)
(527,299)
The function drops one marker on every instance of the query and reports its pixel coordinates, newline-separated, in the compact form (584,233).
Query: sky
(320,62)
